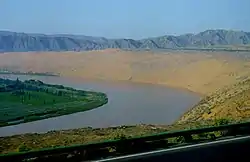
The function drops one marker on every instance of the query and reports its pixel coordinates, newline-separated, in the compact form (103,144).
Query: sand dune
(199,72)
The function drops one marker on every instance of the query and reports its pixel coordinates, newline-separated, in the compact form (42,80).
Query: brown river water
(129,104)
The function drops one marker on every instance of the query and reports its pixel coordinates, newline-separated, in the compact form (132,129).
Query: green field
(32,100)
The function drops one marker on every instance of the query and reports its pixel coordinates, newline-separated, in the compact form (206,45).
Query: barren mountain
(21,42)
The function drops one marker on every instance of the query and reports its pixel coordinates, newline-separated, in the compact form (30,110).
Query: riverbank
(199,72)
(5,72)
(31,100)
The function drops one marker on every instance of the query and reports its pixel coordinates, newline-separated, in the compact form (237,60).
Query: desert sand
(200,72)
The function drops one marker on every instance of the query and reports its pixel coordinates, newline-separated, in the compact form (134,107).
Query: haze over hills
(22,42)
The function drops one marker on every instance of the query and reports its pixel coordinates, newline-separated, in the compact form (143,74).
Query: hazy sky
(123,18)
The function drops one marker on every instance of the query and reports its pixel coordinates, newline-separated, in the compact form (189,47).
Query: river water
(129,104)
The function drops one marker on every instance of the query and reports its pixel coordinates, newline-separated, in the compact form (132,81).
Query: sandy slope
(196,71)
(231,102)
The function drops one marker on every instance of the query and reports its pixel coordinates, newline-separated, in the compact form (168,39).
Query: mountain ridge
(22,42)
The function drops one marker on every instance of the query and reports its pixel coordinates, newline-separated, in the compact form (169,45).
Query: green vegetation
(34,100)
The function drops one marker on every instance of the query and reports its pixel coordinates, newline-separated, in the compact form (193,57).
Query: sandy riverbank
(199,72)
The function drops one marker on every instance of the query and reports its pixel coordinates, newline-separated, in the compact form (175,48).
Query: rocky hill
(21,42)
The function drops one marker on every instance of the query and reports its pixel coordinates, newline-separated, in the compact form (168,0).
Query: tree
(59,93)
(22,99)
(222,121)
(23,148)
(17,80)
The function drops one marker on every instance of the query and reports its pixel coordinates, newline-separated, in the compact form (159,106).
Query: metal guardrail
(223,150)
(100,150)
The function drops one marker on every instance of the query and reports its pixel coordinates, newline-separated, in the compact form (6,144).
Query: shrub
(23,148)
(222,121)
(120,136)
